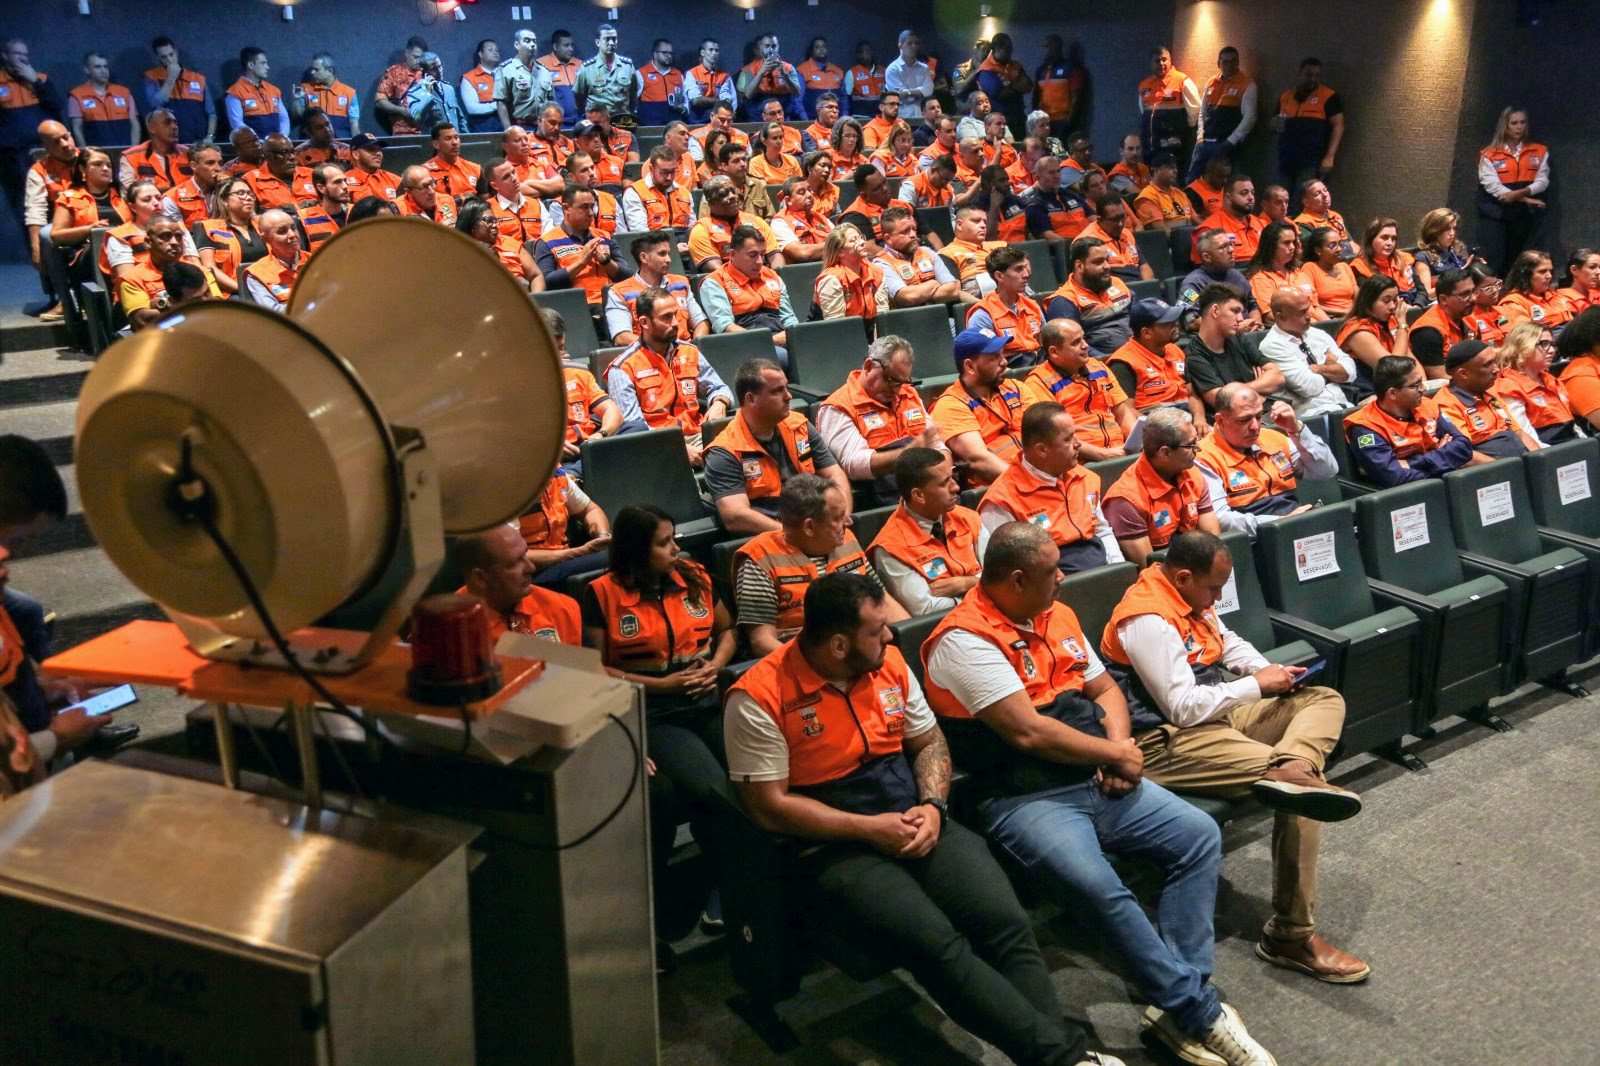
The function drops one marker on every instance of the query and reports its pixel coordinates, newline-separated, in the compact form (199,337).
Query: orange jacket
(761,474)
(1154,594)
(667,388)
(1090,397)
(1169,508)
(904,539)
(644,635)
(792,571)
(1248,479)
(1064,509)
(1050,657)
(1160,377)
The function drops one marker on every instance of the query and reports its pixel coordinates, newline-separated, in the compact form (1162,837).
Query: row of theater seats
(1426,601)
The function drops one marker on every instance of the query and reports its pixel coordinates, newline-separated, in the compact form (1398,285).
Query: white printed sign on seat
(1315,557)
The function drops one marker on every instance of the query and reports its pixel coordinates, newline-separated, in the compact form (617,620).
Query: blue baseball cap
(1145,313)
(971,342)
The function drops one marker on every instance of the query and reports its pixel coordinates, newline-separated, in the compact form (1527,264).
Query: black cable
(633,782)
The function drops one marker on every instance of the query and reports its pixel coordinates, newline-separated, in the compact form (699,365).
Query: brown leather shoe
(1314,956)
(1296,787)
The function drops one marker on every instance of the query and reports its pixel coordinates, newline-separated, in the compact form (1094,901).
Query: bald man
(46,178)
(269,280)
(1312,363)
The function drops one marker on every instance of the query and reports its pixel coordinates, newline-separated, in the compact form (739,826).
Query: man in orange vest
(773,570)
(496,570)
(1054,212)
(829,739)
(1161,494)
(195,198)
(320,146)
(655,202)
(1009,310)
(278,182)
(536,172)
(476,90)
(1047,734)
(160,159)
(141,290)
(1441,327)
(980,415)
(182,91)
(770,76)
(661,379)
(799,228)
(420,196)
(762,449)
(101,112)
(1264,735)
(930,550)
(1400,435)
(1471,405)
(458,176)
(875,415)
(269,280)
(1227,112)
(253,100)
(366,176)
(652,254)
(544,532)
(574,255)
(325,92)
(1150,369)
(710,236)
(1102,414)
(1095,298)
(1236,216)
(518,221)
(913,274)
(744,293)
(1251,468)
(331,210)
(1310,124)
(1111,226)
(1046,486)
(1162,204)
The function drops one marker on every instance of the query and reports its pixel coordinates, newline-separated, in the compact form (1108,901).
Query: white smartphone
(108,701)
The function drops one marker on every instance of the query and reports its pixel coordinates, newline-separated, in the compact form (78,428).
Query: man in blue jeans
(1030,711)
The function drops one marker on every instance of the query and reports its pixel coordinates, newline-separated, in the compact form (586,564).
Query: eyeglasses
(1410,387)
(1192,446)
(1546,345)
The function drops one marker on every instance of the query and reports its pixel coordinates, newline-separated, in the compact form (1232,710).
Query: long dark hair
(1268,247)
(1371,288)
(631,536)
(1520,277)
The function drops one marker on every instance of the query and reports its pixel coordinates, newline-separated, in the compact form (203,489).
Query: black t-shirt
(1207,370)
(725,472)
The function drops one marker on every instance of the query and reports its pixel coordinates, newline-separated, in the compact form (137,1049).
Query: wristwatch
(937,804)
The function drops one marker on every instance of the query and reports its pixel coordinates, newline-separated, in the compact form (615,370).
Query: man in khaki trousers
(1262,734)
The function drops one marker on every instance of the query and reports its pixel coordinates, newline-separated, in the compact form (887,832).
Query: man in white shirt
(1312,363)
(875,415)
(1031,711)
(930,550)
(1250,467)
(1262,733)
(1046,487)
(909,76)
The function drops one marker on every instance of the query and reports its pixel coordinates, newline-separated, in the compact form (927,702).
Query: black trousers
(1506,237)
(688,782)
(952,920)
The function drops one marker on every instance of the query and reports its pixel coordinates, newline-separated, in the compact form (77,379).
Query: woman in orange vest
(1580,346)
(1375,327)
(1531,295)
(1534,398)
(1485,319)
(818,168)
(125,243)
(1277,264)
(847,145)
(229,241)
(1380,254)
(848,284)
(1331,277)
(657,624)
(92,201)
(896,158)
(771,166)
(1582,290)
(708,169)
(1513,173)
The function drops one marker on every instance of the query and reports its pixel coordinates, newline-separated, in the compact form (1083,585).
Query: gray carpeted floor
(1471,889)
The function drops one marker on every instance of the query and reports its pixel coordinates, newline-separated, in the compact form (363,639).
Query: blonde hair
(1502,124)
(1519,343)
(833,245)
(1434,223)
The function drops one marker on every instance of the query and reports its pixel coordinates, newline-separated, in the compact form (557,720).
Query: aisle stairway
(39,382)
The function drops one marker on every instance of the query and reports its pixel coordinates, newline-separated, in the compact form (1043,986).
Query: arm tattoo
(932,766)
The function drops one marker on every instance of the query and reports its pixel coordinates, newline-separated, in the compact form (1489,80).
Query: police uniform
(611,86)
(525,90)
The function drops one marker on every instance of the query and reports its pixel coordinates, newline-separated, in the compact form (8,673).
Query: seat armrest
(1328,644)
(1396,596)
(1358,488)
(1496,567)
(1556,538)
(805,393)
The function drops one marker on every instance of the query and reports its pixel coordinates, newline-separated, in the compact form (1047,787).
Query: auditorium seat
(650,466)
(1180,241)
(1150,289)
(1466,614)
(928,330)
(573,307)
(1045,277)
(909,636)
(1243,609)
(1111,469)
(800,279)
(600,359)
(727,352)
(1156,251)
(1170,287)
(1550,582)
(1564,485)
(864,525)
(721,567)
(822,354)
(1372,642)
(935,220)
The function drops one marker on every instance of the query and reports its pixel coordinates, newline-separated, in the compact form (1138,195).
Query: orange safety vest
(227,252)
(824,77)
(970,259)
(1332,220)
(999,418)
(876,132)
(656,636)
(1578,302)
(130,233)
(1089,396)
(769,173)
(745,295)
(166,171)
(903,538)
(1154,594)
(1156,93)
(318,224)
(1159,377)
(444,209)
(57,178)
(1050,657)
(1398,266)
(271,191)
(82,210)
(514,228)
(278,279)
(735,136)
(1489,326)
(873,214)
(1169,508)
(1124,252)
(761,475)
(1352,326)
(363,183)
(1516,170)
(792,571)
(335,101)
(673,208)
(257,102)
(1550,310)
(542,613)
(1138,175)
(459,178)
(1479,419)
(1408,439)
(1021,326)
(667,387)
(1210,196)
(1249,478)
(567,250)
(628,289)
(309,155)
(1581,377)
(1055,84)
(833,735)
(1452,331)
(583,395)
(920,268)
(860,289)
(1065,508)
(190,202)
(812,227)
(555,151)
(866,83)
(482,83)
(1314,106)
(1246,233)
(545,529)
(115,106)
(820,135)
(773,82)
(927,195)
(1543,398)
(880,426)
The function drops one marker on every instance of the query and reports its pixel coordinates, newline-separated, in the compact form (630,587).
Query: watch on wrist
(937,804)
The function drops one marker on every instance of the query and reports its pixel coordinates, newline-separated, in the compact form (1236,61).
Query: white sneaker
(1180,1043)
(1100,1058)
(1232,1042)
